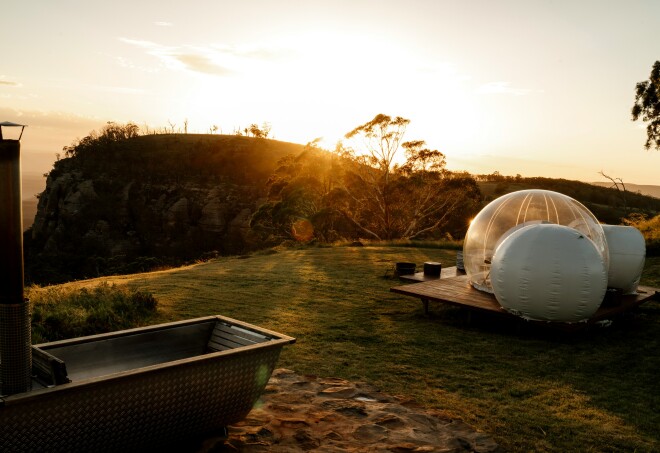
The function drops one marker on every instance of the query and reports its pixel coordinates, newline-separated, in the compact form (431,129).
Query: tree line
(360,190)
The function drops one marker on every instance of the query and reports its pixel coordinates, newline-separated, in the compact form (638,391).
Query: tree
(381,137)
(113,132)
(437,193)
(258,132)
(266,128)
(109,135)
(298,203)
(387,201)
(255,131)
(350,195)
(647,106)
(369,177)
(617,183)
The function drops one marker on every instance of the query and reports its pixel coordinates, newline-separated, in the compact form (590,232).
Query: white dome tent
(549,272)
(513,211)
(542,254)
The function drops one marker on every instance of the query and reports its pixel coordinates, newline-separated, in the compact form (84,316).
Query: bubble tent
(543,257)
(549,272)
(516,210)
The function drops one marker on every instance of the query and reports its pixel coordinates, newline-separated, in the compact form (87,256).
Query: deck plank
(456,290)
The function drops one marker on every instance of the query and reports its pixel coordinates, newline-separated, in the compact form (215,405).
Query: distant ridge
(650,190)
(33,184)
(29,212)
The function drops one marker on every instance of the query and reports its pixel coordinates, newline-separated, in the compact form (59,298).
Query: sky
(537,88)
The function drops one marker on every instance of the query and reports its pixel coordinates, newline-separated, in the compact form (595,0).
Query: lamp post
(15,337)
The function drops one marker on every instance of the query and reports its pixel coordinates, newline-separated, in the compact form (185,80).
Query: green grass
(67,312)
(532,390)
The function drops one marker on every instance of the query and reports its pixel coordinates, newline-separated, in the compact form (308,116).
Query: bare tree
(617,183)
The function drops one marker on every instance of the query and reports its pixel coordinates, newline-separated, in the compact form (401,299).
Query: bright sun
(325,84)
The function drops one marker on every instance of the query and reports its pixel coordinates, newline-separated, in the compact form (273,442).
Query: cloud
(118,90)
(263,53)
(9,83)
(125,63)
(203,63)
(504,88)
(50,119)
(163,24)
(219,61)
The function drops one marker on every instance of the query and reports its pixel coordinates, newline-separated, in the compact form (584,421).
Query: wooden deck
(446,272)
(453,289)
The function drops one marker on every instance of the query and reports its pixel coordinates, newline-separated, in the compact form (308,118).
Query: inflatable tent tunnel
(627,255)
(549,272)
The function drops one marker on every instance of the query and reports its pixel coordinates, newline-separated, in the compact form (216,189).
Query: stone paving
(309,413)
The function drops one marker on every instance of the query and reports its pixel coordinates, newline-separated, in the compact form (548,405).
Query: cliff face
(149,200)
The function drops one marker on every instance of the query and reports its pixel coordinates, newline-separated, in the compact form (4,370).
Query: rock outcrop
(151,198)
(308,413)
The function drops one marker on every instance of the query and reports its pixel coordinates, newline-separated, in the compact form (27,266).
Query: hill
(649,190)
(607,204)
(148,200)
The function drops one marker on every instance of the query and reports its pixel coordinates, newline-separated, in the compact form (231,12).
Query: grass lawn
(531,390)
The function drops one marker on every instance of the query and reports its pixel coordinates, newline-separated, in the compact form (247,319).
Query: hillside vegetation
(533,390)
(609,205)
(147,201)
(120,202)
(644,189)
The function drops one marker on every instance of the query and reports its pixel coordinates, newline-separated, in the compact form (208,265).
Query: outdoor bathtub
(140,389)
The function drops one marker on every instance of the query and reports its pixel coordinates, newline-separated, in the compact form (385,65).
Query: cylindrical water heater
(15,341)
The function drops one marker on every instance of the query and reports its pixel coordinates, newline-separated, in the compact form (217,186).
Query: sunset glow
(536,88)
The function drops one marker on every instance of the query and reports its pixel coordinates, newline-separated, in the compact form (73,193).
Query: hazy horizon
(530,87)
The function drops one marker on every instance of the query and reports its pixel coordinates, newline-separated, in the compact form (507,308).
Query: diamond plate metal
(150,409)
(15,352)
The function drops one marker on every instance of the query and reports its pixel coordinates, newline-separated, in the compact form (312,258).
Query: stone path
(308,413)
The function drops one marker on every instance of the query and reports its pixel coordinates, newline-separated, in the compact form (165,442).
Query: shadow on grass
(597,388)
(533,389)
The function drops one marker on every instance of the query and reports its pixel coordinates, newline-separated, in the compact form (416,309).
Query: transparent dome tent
(514,211)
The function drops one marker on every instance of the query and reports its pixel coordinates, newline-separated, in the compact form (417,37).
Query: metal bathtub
(140,389)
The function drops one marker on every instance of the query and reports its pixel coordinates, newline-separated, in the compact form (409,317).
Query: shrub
(59,313)
(650,229)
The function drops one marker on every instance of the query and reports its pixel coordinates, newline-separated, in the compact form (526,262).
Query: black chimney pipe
(15,335)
